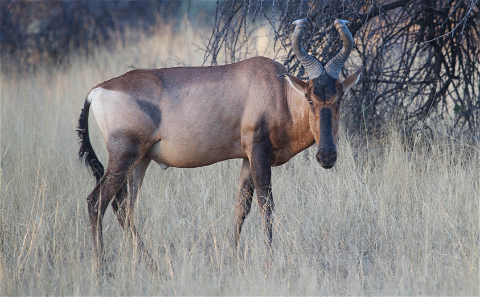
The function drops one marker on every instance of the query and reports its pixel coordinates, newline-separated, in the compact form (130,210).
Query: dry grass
(385,220)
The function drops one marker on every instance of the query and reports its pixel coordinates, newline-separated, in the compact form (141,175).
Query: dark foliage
(39,32)
(421,57)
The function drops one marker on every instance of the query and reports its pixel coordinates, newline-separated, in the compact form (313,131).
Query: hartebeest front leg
(260,166)
(244,200)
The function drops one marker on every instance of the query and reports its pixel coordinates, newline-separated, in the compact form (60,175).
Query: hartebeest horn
(335,65)
(311,65)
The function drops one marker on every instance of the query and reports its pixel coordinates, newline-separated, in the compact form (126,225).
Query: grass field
(385,220)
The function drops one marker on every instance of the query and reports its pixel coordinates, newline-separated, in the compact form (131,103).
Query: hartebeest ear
(296,83)
(351,80)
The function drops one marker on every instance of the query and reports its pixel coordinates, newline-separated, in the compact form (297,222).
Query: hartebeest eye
(310,102)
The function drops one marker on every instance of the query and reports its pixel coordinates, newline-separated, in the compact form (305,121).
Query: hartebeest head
(324,91)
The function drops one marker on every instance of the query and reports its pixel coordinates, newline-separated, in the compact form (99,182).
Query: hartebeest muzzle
(327,151)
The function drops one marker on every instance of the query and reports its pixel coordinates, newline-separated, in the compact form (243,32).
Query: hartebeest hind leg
(119,167)
(244,200)
(124,204)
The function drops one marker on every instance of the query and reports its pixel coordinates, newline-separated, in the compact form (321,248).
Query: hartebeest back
(196,116)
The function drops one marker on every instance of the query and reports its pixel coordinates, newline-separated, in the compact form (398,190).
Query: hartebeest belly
(196,116)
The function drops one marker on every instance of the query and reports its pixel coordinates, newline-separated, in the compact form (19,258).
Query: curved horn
(335,65)
(311,65)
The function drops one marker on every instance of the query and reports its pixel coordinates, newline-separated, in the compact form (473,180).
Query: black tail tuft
(86,150)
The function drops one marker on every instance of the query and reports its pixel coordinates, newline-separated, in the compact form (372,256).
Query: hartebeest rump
(196,116)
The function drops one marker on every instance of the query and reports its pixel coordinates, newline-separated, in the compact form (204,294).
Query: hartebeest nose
(327,157)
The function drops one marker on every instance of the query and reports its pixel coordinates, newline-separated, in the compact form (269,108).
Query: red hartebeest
(196,116)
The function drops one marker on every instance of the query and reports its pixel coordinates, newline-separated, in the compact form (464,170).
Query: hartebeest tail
(86,150)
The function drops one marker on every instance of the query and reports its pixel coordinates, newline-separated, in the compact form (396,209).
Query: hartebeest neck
(300,134)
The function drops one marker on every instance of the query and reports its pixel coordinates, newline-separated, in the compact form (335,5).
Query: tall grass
(386,220)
